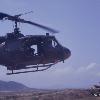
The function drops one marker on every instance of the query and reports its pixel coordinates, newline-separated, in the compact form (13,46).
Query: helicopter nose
(67,53)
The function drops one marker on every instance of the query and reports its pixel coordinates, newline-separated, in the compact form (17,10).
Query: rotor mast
(15,24)
(16,29)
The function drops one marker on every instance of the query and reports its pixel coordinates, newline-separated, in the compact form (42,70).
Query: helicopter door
(40,48)
(49,49)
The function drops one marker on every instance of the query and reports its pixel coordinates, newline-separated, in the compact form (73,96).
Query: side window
(34,47)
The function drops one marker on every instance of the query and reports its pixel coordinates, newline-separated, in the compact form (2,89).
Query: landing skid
(35,69)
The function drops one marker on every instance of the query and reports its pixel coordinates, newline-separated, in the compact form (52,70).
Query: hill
(12,86)
(16,91)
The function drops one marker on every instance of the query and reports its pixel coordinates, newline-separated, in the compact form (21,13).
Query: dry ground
(67,94)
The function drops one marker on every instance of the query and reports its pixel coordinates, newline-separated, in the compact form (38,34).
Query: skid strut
(35,69)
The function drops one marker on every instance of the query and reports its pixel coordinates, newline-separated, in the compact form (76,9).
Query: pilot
(28,50)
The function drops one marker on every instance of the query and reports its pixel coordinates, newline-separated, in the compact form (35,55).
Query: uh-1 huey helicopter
(16,52)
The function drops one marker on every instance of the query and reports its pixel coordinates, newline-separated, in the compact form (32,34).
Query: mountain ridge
(12,86)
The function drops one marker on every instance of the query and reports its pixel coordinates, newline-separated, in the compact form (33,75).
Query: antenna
(23,14)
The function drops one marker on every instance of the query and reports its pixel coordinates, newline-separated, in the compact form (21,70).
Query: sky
(78,22)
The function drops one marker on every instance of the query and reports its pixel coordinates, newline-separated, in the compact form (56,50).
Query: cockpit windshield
(50,42)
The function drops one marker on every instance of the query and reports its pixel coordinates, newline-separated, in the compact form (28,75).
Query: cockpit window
(54,43)
(50,43)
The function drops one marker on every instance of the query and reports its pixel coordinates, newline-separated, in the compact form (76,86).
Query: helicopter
(35,52)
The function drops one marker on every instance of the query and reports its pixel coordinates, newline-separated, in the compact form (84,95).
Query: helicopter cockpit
(40,45)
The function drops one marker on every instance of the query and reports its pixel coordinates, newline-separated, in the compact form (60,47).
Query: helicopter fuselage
(18,53)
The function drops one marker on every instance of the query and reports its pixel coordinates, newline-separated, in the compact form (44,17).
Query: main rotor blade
(39,25)
(17,19)
(3,15)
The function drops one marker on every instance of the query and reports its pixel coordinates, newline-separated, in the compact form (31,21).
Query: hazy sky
(79,24)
